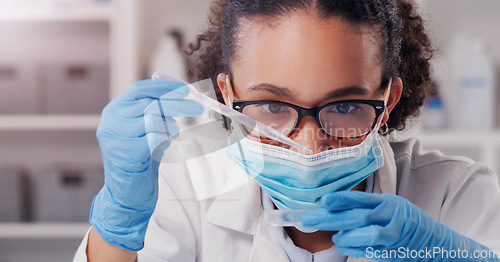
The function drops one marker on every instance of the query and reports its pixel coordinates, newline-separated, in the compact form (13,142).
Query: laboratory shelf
(43,230)
(49,122)
(56,15)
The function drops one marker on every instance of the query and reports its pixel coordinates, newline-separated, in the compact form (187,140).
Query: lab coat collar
(244,204)
(235,202)
(239,209)
(239,199)
(265,246)
(216,178)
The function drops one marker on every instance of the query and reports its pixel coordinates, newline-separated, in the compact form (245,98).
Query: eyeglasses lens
(347,120)
(340,120)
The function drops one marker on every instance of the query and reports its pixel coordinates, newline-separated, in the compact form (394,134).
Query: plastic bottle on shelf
(168,57)
(434,114)
(472,85)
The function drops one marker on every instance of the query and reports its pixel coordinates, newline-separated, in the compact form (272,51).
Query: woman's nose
(309,135)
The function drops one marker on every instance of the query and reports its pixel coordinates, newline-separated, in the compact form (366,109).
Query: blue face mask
(297,181)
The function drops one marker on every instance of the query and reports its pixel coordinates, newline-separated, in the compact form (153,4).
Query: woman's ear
(394,96)
(221,82)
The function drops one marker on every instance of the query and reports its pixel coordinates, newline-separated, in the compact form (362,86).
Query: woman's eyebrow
(335,94)
(347,91)
(280,91)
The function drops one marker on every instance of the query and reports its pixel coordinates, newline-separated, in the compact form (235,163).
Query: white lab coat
(209,210)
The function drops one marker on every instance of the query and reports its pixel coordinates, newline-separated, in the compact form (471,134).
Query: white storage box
(19,87)
(11,194)
(65,194)
(81,88)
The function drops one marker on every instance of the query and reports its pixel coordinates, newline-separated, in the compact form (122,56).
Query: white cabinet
(72,47)
(55,66)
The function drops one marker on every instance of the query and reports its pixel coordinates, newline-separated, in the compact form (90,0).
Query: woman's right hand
(134,130)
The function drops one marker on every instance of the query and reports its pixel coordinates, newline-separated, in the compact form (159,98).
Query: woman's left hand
(370,225)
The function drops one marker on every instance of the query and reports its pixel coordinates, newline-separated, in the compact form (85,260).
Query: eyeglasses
(342,120)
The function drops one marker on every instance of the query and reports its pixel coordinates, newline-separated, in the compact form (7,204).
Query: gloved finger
(158,143)
(154,89)
(345,200)
(177,93)
(121,127)
(181,107)
(174,107)
(164,125)
(373,235)
(127,109)
(323,219)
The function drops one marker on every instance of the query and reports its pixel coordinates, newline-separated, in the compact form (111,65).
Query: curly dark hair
(406,49)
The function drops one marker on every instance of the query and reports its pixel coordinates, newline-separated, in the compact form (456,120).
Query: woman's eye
(344,108)
(273,108)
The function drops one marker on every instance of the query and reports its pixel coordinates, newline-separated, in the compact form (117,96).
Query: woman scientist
(333,75)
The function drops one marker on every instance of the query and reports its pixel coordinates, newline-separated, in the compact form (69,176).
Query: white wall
(479,18)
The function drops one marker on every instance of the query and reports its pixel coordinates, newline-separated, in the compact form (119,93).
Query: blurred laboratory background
(61,61)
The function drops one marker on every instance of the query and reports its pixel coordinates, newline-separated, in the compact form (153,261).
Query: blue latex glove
(370,225)
(122,209)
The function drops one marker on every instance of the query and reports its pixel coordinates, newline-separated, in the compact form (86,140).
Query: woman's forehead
(304,50)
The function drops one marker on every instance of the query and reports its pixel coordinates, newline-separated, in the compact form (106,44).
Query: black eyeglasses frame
(378,105)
